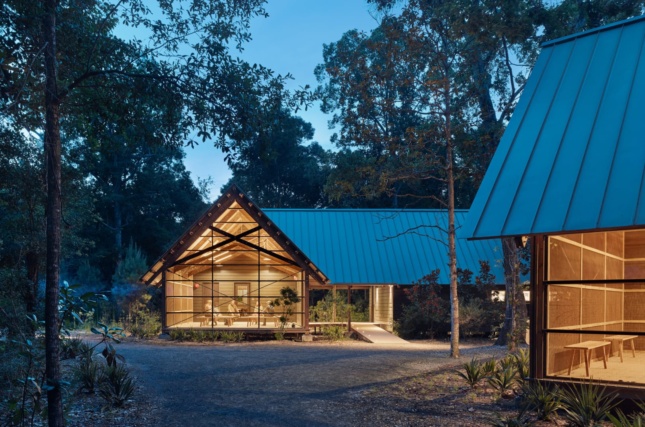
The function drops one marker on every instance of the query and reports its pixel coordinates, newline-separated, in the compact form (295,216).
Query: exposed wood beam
(238,238)
(231,238)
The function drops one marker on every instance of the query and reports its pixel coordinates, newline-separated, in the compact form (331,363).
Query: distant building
(570,173)
(228,268)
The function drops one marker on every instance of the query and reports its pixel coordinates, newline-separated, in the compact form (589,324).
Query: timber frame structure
(235,269)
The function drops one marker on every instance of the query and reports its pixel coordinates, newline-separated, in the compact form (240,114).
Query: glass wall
(235,276)
(595,306)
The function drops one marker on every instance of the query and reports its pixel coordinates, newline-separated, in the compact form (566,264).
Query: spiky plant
(503,380)
(542,398)
(473,372)
(587,404)
(521,360)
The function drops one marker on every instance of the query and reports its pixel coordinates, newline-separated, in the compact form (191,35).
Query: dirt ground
(303,384)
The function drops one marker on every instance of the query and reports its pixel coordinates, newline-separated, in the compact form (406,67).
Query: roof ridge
(624,22)
(359,210)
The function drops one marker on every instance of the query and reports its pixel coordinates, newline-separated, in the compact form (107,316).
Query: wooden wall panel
(558,357)
(564,260)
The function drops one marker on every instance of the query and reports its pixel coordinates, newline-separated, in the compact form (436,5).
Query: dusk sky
(290,40)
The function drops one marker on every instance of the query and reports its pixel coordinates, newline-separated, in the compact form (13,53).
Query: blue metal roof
(573,155)
(365,246)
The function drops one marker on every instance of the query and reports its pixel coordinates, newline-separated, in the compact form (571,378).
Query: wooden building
(226,271)
(570,173)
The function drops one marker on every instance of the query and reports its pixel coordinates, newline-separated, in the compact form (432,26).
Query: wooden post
(164,312)
(305,302)
(349,309)
(333,310)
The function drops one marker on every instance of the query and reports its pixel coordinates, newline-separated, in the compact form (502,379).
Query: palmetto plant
(544,399)
(503,380)
(473,372)
(587,404)
(636,419)
(521,360)
(116,385)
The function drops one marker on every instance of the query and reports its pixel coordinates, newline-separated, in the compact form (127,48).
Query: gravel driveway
(277,383)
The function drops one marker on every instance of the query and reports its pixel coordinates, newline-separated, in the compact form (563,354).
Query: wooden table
(587,347)
(621,340)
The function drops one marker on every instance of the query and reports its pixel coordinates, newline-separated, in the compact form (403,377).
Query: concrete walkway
(376,335)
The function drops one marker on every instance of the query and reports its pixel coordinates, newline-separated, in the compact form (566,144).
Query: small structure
(230,267)
(570,173)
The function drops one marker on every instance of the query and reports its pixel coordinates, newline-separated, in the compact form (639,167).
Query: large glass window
(235,275)
(595,306)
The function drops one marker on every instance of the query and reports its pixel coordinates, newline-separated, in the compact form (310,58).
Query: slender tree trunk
(54,214)
(452,247)
(510,334)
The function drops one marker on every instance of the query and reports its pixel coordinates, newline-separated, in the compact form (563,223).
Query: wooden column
(349,309)
(333,310)
(537,349)
(305,313)
(164,314)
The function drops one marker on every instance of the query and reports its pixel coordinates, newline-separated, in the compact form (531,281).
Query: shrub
(116,385)
(145,323)
(71,347)
(587,404)
(426,313)
(334,332)
(177,335)
(227,336)
(473,372)
(523,419)
(472,317)
(279,336)
(489,367)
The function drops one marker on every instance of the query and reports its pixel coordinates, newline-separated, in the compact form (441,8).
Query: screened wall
(595,306)
(234,275)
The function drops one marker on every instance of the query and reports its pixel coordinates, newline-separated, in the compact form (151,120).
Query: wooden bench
(621,341)
(586,347)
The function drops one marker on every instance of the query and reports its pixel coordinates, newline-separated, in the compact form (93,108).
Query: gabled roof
(573,155)
(231,227)
(381,246)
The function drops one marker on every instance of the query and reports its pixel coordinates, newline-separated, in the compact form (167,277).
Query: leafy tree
(54,49)
(277,169)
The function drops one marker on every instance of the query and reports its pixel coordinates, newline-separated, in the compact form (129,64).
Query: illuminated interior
(234,276)
(595,304)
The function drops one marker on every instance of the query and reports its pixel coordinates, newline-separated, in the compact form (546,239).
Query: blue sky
(290,40)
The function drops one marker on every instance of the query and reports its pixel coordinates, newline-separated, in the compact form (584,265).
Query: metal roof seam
(564,134)
(620,133)
(595,121)
(537,139)
(510,145)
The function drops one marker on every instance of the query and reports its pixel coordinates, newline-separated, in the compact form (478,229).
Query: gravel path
(277,383)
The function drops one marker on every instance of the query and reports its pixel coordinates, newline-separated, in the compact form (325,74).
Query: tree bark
(54,215)
(510,334)
(452,247)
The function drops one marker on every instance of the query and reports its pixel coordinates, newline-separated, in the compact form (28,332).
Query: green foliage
(426,313)
(503,380)
(116,386)
(323,311)
(636,419)
(279,336)
(523,419)
(334,332)
(587,404)
(132,267)
(142,321)
(521,359)
(472,317)
(177,334)
(288,298)
(543,398)
(231,336)
(72,347)
(473,372)
(109,335)
(489,366)
(88,372)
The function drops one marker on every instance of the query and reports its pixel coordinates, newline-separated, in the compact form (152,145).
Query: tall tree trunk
(511,332)
(452,247)
(53,164)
